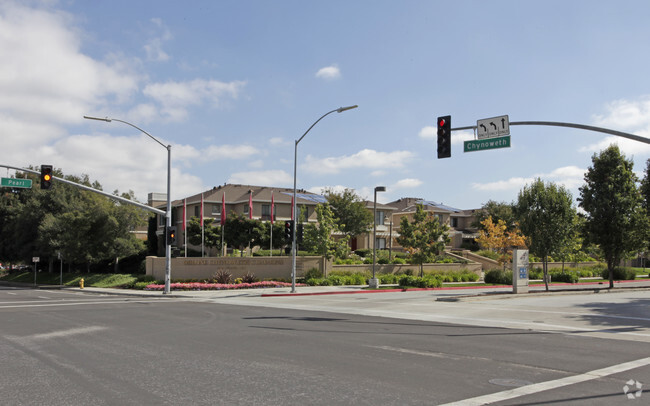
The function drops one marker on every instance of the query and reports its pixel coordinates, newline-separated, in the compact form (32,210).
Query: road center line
(548,385)
(65,333)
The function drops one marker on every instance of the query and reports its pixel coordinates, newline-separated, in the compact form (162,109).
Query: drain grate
(510,382)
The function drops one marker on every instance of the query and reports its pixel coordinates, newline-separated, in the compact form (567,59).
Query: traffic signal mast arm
(90,189)
(571,125)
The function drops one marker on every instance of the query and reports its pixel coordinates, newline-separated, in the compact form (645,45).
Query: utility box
(520,271)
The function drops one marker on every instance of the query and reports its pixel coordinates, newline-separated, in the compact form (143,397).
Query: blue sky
(232,84)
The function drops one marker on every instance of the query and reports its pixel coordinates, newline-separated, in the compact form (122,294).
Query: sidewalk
(452,293)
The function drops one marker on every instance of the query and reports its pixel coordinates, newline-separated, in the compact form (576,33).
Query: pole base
(373,283)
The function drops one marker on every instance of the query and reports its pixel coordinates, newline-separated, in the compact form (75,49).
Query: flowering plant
(220,286)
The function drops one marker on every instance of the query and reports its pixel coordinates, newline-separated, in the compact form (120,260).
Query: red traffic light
(441,122)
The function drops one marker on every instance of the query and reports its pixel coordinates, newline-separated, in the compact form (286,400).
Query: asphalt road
(74,348)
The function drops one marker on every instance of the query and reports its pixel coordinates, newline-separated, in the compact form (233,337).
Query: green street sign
(12,182)
(487,143)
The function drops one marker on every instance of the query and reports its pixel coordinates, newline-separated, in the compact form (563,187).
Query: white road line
(83,303)
(65,333)
(548,385)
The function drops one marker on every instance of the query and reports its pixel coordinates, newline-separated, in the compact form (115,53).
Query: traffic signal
(171,235)
(288,231)
(444,137)
(46,176)
(299,233)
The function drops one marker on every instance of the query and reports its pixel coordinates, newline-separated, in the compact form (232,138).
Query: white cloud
(570,177)
(216,152)
(329,72)
(176,97)
(628,116)
(277,141)
(154,46)
(364,159)
(44,76)
(406,183)
(272,177)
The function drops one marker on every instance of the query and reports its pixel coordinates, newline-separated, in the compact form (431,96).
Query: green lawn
(90,280)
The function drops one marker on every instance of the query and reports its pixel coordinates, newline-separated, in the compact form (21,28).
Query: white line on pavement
(548,385)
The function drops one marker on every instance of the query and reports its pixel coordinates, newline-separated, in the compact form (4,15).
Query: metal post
(374,283)
(168,212)
(295,163)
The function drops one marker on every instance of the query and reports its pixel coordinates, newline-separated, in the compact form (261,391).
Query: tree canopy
(84,227)
(350,210)
(546,216)
(613,206)
(423,237)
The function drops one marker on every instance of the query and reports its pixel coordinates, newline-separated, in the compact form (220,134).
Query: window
(379,218)
(216,209)
(197,208)
(266,212)
(246,209)
(439,217)
(454,222)
(299,212)
(380,243)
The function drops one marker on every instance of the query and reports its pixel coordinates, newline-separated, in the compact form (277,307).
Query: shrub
(567,277)
(536,273)
(357,279)
(363,252)
(223,277)
(337,280)
(249,278)
(387,278)
(399,261)
(429,281)
(620,274)
(383,261)
(313,273)
(498,276)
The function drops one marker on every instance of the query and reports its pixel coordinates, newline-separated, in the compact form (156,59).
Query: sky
(231,86)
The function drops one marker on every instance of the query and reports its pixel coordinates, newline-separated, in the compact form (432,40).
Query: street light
(168,214)
(293,209)
(374,282)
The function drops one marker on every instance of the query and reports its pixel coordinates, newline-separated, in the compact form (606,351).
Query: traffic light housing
(299,233)
(444,137)
(46,176)
(171,235)
(288,231)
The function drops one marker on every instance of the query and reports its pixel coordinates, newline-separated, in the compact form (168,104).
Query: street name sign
(489,143)
(13,182)
(493,127)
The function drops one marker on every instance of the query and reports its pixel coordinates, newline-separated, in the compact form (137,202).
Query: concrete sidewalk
(449,292)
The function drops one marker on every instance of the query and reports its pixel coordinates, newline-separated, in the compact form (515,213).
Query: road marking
(548,385)
(126,301)
(65,333)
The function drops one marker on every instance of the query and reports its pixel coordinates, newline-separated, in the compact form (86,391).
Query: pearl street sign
(488,143)
(13,182)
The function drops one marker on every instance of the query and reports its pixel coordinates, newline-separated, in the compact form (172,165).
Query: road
(75,348)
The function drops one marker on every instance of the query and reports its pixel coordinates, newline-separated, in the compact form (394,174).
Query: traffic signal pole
(572,125)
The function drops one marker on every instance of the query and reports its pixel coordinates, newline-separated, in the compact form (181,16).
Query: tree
(613,206)
(496,210)
(320,238)
(546,216)
(496,237)
(353,216)
(211,237)
(424,237)
(242,232)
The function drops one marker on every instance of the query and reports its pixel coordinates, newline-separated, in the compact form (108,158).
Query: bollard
(81,284)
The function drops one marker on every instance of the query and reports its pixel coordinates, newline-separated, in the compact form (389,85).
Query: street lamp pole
(374,283)
(168,213)
(293,209)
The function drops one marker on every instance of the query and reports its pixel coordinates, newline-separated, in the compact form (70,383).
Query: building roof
(235,194)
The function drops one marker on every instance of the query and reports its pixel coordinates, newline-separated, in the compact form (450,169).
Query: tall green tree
(319,238)
(350,210)
(423,237)
(497,211)
(613,206)
(546,216)
(211,234)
